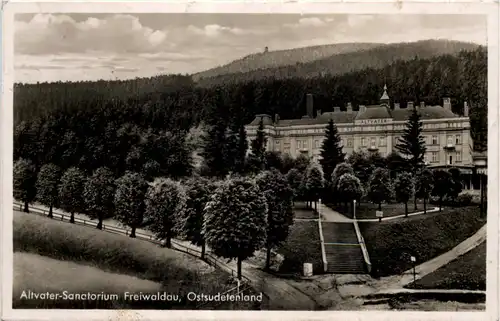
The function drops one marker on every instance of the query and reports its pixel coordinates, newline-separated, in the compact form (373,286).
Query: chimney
(422,104)
(336,109)
(447,103)
(362,108)
(409,105)
(318,113)
(466,109)
(276,118)
(349,107)
(309,105)
(396,106)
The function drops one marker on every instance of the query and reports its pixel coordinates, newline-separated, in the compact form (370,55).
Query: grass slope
(302,246)
(367,210)
(391,243)
(468,272)
(41,274)
(177,272)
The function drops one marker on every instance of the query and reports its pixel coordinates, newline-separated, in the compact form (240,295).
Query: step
(339,232)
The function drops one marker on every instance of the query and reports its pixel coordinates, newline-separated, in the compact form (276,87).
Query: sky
(73,47)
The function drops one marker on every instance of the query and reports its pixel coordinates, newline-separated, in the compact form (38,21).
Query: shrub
(464,199)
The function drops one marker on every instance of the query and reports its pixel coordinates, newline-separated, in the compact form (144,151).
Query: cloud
(359,20)
(49,33)
(310,22)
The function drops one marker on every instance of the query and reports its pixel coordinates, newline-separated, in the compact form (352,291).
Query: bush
(464,199)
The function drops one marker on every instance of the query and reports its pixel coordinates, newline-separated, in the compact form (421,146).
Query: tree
(425,185)
(376,160)
(151,170)
(361,165)
(302,162)
(279,195)
(274,160)
(99,194)
(405,188)
(411,145)
(47,186)
(456,184)
(241,150)
(313,183)
(165,203)
(396,164)
(331,150)
(236,220)
(214,157)
(380,187)
(295,178)
(198,193)
(350,187)
(71,192)
(24,180)
(259,147)
(442,185)
(340,169)
(129,200)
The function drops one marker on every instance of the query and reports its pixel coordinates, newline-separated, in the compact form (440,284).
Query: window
(458,139)
(349,142)
(316,143)
(459,157)
(434,140)
(435,157)
(363,142)
(373,142)
(278,142)
(299,144)
(449,140)
(304,144)
(382,141)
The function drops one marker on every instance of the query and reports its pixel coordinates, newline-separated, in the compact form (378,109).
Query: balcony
(373,148)
(449,146)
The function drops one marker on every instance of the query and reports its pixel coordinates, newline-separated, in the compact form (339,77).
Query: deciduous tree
(165,204)
(236,220)
(442,185)
(198,193)
(456,184)
(71,192)
(380,187)
(350,188)
(425,185)
(129,200)
(405,188)
(279,196)
(24,180)
(295,178)
(47,186)
(313,183)
(99,194)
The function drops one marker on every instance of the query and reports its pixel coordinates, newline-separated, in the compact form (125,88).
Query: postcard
(250,161)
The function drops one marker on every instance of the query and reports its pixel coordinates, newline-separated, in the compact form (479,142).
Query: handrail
(209,257)
(361,242)
(322,241)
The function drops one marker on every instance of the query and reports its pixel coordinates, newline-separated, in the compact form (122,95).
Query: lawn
(367,210)
(467,272)
(302,246)
(391,243)
(302,212)
(175,271)
(40,274)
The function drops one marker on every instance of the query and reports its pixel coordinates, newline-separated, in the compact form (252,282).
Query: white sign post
(413,260)
(354,214)
(379,214)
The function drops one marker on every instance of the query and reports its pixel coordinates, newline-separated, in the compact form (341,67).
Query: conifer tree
(241,150)
(259,148)
(411,145)
(331,150)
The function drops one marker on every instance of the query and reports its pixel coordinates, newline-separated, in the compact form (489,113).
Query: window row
(434,157)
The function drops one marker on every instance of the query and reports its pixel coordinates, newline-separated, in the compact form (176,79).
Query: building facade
(375,128)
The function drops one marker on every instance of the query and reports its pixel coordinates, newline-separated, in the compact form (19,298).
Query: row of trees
(235,216)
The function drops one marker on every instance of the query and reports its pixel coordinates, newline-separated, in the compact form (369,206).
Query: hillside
(343,62)
(278,58)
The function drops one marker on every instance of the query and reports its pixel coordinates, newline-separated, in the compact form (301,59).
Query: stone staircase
(343,252)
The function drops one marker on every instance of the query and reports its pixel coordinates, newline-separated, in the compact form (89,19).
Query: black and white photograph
(246,161)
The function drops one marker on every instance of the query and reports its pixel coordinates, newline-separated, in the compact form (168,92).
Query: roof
(340,117)
(374,112)
(426,113)
(267,120)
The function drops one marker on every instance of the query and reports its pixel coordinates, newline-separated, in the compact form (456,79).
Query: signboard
(379,214)
(413,259)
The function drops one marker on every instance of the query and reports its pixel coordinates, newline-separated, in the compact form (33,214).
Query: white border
(489,8)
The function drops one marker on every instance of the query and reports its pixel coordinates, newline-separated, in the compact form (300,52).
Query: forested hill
(179,104)
(337,64)
(278,58)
